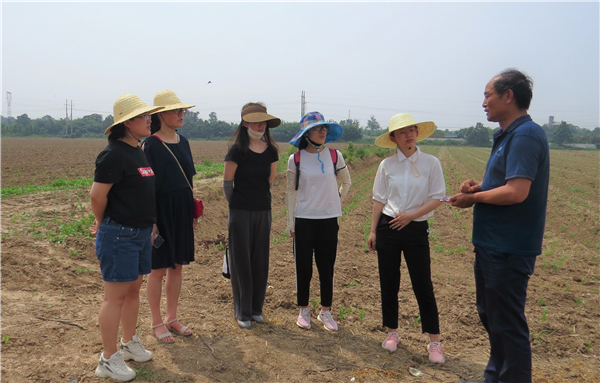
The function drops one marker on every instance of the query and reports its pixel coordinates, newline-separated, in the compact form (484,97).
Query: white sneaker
(304,318)
(134,350)
(114,368)
(327,320)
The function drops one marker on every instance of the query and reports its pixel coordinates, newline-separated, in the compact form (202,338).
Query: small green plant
(81,271)
(207,161)
(361,314)
(579,301)
(315,303)
(538,336)
(354,283)
(541,302)
(62,298)
(5,339)
(73,252)
(416,322)
(544,309)
(344,311)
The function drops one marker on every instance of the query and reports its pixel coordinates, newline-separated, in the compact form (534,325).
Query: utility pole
(8,100)
(303,104)
(71,116)
(66,117)
(348,115)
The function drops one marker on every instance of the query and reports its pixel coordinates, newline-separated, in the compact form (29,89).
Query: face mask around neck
(254,135)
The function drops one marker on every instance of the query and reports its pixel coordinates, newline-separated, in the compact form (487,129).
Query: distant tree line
(194,127)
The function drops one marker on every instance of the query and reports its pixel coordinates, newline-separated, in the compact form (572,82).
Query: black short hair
(116,132)
(520,83)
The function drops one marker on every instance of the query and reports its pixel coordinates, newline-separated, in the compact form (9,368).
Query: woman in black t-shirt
(122,199)
(170,156)
(250,169)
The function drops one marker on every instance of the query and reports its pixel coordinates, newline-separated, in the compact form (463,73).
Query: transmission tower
(302,104)
(8,100)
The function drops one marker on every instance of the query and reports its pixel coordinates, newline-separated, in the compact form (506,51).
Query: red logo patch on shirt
(146,172)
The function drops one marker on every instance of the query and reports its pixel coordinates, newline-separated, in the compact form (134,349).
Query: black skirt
(174,220)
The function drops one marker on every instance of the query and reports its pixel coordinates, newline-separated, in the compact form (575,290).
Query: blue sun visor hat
(312,119)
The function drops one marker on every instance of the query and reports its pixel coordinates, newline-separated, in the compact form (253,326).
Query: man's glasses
(321,128)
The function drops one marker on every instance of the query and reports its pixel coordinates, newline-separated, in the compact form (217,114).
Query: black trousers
(321,237)
(501,281)
(413,241)
(249,242)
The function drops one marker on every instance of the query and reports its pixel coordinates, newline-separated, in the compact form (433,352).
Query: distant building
(450,136)
(551,120)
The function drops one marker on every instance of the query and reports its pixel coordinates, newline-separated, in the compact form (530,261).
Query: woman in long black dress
(170,157)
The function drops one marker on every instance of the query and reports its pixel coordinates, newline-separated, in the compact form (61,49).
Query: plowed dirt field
(51,287)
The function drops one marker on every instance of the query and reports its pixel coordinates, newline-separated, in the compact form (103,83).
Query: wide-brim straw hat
(127,107)
(404,120)
(258,113)
(169,101)
(312,119)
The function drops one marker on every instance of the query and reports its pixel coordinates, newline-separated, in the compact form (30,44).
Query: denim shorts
(124,252)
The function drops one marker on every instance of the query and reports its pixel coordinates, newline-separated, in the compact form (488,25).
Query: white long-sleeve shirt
(318,196)
(405,184)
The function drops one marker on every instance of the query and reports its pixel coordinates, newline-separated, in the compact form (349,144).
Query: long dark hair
(117,132)
(155,123)
(241,138)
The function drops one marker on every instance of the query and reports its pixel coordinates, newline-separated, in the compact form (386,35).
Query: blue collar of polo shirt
(513,125)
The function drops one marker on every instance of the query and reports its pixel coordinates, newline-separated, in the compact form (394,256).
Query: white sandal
(162,336)
(181,331)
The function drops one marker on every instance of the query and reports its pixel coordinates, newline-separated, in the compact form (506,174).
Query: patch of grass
(81,271)
(78,228)
(59,184)
(209,169)
(145,373)
(354,283)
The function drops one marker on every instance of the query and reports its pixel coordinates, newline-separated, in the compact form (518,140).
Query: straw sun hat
(312,119)
(404,120)
(169,101)
(258,113)
(127,107)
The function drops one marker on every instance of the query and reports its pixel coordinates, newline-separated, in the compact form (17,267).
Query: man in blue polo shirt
(508,224)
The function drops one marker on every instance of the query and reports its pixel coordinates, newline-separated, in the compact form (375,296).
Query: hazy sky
(359,59)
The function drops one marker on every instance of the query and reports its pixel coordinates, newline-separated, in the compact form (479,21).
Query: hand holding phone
(158,240)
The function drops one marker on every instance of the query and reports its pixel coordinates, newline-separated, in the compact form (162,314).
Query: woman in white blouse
(313,207)
(407,188)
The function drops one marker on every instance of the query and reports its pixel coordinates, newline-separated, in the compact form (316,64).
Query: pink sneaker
(327,320)
(391,342)
(435,352)
(304,318)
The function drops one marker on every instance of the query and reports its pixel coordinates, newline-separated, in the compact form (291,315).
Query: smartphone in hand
(158,241)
